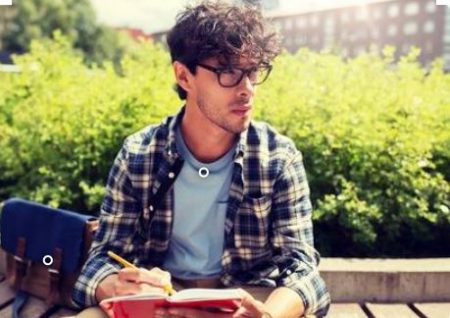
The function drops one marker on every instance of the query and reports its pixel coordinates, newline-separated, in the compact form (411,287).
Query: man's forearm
(283,302)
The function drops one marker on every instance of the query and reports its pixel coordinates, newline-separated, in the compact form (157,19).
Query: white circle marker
(203,172)
(47,260)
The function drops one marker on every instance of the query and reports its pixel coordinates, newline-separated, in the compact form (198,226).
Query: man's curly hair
(225,31)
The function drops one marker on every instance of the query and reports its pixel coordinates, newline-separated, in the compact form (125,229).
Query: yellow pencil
(168,288)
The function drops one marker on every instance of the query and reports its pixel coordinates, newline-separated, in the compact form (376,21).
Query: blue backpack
(45,250)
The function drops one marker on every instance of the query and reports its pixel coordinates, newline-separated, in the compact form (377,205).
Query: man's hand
(250,308)
(131,281)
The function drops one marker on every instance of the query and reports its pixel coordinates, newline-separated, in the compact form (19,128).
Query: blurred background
(362,87)
(350,26)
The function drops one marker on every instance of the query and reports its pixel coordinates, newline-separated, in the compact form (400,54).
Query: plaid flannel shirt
(268,227)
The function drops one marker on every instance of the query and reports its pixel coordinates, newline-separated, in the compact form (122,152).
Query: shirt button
(288,272)
(171,175)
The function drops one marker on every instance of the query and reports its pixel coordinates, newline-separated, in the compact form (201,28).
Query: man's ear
(183,76)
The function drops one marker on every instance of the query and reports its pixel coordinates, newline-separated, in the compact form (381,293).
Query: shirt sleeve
(293,240)
(118,217)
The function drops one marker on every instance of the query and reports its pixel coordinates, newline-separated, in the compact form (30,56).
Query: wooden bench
(330,268)
(388,288)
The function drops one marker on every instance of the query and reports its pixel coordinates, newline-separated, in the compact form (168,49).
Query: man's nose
(245,86)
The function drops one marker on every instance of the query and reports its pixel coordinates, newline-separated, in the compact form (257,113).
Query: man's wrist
(105,288)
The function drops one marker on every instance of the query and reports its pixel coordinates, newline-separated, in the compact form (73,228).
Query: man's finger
(123,287)
(155,276)
(249,306)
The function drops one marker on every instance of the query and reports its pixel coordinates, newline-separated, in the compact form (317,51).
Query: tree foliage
(75,19)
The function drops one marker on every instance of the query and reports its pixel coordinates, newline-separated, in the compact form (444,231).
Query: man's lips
(241,109)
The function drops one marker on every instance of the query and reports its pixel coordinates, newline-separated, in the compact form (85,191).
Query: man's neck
(205,141)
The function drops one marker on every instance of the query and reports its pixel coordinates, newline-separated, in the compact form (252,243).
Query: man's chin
(242,127)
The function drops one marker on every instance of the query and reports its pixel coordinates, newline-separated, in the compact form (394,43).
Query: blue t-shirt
(196,244)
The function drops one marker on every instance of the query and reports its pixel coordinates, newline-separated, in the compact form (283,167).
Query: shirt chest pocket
(252,222)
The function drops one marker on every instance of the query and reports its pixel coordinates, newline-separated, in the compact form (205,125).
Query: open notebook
(143,305)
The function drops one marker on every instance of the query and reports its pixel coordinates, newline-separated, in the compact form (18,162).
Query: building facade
(352,30)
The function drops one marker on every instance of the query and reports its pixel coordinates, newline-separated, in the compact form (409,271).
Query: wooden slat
(6,293)
(346,311)
(6,312)
(33,308)
(434,310)
(391,310)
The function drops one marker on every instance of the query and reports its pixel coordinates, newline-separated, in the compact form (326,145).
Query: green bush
(63,123)
(376,144)
(374,136)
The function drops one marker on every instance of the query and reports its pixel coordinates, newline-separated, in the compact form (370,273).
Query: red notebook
(143,305)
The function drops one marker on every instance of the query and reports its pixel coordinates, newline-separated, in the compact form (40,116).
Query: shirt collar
(171,146)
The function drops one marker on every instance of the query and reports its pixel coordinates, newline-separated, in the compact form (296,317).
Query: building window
(301,22)
(329,24)
(345,16)
(314,20)
(362,14)
(412,8)
(393,10)
(447,59)
(430,7)
(392,30)
(447,38)
(428,27)
(376,14)
(410,28)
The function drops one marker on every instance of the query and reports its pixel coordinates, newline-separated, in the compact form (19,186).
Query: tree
(74,18)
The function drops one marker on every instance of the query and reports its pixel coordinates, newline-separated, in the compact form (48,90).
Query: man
(209,196)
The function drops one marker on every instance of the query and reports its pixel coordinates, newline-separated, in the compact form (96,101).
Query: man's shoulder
(148,139)
(267,138)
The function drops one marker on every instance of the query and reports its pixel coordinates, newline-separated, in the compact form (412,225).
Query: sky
(155,15)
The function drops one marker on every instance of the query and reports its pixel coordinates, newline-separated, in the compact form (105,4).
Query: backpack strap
(20,264)
(54,272)
(19,301)
(158,197)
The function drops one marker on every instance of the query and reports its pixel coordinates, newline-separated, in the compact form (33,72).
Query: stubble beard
(219,120)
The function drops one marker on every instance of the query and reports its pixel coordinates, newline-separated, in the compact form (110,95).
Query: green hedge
(374,136)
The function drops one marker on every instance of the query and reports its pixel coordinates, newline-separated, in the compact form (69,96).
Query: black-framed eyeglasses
(232,76)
